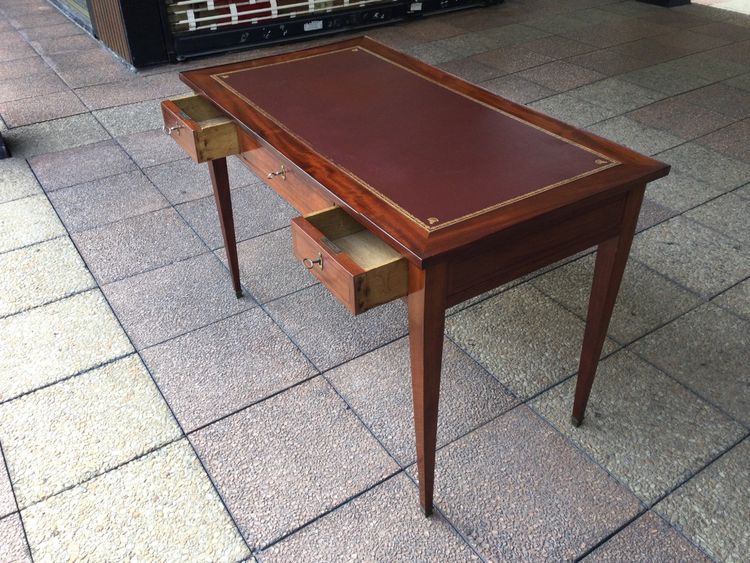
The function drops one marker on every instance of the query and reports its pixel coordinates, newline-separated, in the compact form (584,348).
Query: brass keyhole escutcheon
(280,172)
(310,264)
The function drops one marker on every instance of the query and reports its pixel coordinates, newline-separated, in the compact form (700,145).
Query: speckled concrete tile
(470,69)
(26,221)
(13,47)
(431,29)
(131,118)
(66,43)
(572,110)
(608,61)
(37,19)
(184,180)
(512,34)
(256,209)
(7,500)
(149,148)
(161,507)
(106,200)
(695,256)
(512,58)
(224,367)
(67,433)
(561,76)
(464,45)
(432,53)
(646,300)
(646,540)
(665,78)
(708,165)
(742,82)
(49,31)
(83,164)
(328,333)
(57,340)
(517,89)
(518,491)
(16,180)
(13,545)
(40,274)
(524,338)
(91,66)
(713,508)
(557,47)
(722,98)
(55,135)
(20,68)
(727,214)
(136,89)
(137,244)
(635,135)
(653,213)
(385,524)
(733,141)
(616,95)
(469,395)
(707,350)
(170,301)
(643,427)
(680,118)
(41,108)
(268,267)
(28,85)
(736,299)
(680,191)
(304,453)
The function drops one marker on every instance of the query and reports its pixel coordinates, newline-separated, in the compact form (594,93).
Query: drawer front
(359,287)
(284,177)
(200,129)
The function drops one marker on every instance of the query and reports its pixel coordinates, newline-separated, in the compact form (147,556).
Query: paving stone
(131,118)
(62,44)
(608,61)
(512,58)
(680,118)
(469,396)
(149,148)
(721,98)
(157,508)
(707,165)
(736,299)
(616,95)
(464,45)
(643,427)
(518,491)
(555,23)
(185,180)
(646,300)
(88,67)
(707,350)
(470,69)
(666,79)
(27,221)
(41,108)
(708,66)
(725,30)
(727,214)
(517,89)
(40,274)
(681,192)
(7,500)
(557,47)
(522,337)
(741,82)
(83,164)
(432,53)
(268,267)
(56,341)
(713,508)
(68,433)
(385,523)
(431,29)
(13,545)
(561,76)
(328,333)
(16,180)
(224,367)
(611,34)
(653,213)
(572,110)
(167,302)
(136,89)
(635,135)
(20,68)
(647,539)
(256,209)
(695,256)
(137,244)
(64,29)
(54,135)
(733,141)
(37,19)
(305,454)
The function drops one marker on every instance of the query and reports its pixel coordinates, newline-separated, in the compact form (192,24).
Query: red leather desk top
(434,154)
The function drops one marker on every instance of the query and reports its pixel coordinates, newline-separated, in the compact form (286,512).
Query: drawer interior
(196,109)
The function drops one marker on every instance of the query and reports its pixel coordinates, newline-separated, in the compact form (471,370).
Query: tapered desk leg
(611,258)
(427,295)
(220,182)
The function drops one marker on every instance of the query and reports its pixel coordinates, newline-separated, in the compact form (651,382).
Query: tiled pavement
(145,413)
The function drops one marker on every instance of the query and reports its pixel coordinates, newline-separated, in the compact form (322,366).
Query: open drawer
(199,128)
(357,267)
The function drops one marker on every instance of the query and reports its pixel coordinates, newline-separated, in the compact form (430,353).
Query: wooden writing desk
(415,184)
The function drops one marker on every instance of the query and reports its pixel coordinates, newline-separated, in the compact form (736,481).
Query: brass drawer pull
(310,263)
(169,130)
(281,172)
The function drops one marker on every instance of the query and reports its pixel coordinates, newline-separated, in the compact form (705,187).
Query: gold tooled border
(611,162)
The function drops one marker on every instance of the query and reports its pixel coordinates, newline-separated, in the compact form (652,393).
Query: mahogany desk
(414,183)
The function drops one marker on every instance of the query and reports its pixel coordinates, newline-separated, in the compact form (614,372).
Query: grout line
(15,501)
